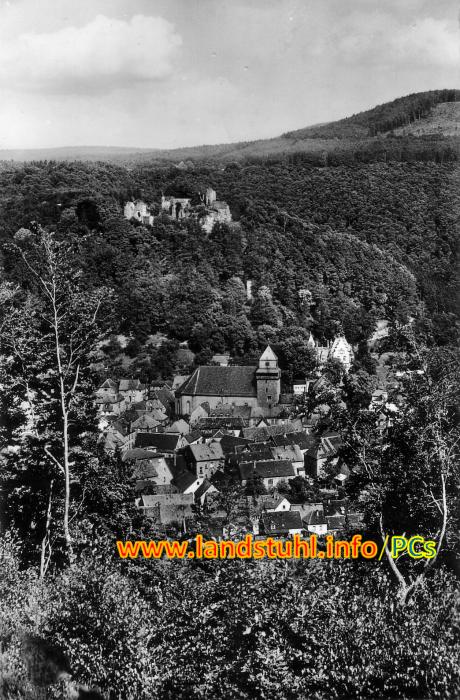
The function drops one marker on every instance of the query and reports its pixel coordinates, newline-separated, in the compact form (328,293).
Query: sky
(170,73)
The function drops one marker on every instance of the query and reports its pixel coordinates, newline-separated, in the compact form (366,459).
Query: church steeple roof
(268,354)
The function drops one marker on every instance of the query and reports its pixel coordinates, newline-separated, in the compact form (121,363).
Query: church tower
(268,377)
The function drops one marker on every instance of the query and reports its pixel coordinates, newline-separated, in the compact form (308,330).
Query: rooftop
(220,381)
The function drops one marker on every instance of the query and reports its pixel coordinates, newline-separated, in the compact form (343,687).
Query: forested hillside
(418,127)
(321,245)
(403,111)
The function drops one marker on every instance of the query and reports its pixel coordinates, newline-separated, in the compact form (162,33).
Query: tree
(405,474)
(48,333)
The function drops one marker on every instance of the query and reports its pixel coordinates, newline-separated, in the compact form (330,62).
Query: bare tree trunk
(65,422)
(407,588)
(46,539)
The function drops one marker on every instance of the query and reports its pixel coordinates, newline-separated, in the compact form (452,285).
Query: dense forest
(321,245)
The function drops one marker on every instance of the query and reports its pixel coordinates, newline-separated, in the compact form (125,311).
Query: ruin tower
(210,196)
(268,377)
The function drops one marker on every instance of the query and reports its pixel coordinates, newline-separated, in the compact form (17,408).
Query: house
(150,468)
(111,441)
(114,433)
(132,390)
(115,397)
(378,399)
(273,504)
(167,508)
(282,523)
(342,474)
(145,423)
(193,437)
(272,472)
(107,390)
(254,451)
(165,396)
(293,454)
(230,443)
(205,459)
(108,405)
(324,450)
(316,522)
(201,411)
(247,385)
(301,439)
(313,517)
(205,490)
(335,523)
(301,385)
(179,426)
(186,482)
(339,349)
(162,442)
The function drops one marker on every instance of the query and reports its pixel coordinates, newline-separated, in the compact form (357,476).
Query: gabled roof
(262,434)
(301,439)
(220,381)
(109,399)
(282,521)
(171,499)
(204,488)
(229,443)
(139,453)
(335,522)
(254,451)
(179,426)
(184,480)
(130,385)
(315,517)
(203,452)
(267,469)
(268,354)
(165,395)
(109,384)
(336,506)
(174,513)
(145,470)
(214,423)
(290,452)
(146,420)
(162,442)
(176,464)
(193,436)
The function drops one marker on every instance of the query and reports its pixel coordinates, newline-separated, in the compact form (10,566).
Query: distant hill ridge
(403,112)
(435,113)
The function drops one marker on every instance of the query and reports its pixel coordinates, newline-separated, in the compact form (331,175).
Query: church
(255,386)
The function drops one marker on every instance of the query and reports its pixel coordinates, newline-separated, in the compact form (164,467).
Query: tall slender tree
(50,325)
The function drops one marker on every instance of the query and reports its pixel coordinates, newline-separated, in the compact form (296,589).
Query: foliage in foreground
(234,629)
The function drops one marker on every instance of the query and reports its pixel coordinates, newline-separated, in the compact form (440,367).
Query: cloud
(104,54)
(381,39)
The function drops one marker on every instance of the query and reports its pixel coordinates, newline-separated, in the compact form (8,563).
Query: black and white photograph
(229,350)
